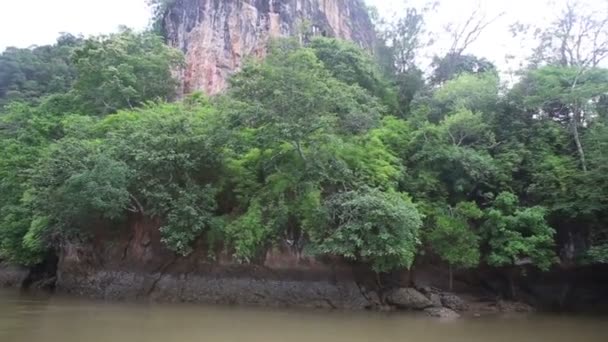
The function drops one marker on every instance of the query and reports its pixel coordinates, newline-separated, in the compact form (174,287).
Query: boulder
(12,276)
(427,290)
(443,313)
(435,298)
(409,299)
(451,301)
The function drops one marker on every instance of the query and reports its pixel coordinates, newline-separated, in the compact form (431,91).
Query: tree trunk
(512,284)
(577,140)
(564,295)
(451,278)
(576,118)
(412,277)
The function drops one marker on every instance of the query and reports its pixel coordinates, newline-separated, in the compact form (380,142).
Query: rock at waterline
(435,298)
(12,276)
(443,313)
(409,299)
(453,302)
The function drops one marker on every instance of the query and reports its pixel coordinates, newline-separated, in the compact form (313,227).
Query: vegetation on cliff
(318,146)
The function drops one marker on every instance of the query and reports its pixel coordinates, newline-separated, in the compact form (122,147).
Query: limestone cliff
(216,35)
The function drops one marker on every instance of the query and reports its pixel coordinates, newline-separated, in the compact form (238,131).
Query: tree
(572,48)
(350,64)
(174,152)
(25,134)
(518,236)
(467,33)
(577,38)
(453,239)
(296,98)
(569,95)
(371,226)
(409,84)
(455,61)
(124,70)
(452,65)
(587,201)
(475,92)
(451,161)
(76,184)
(406,37)
(399,48)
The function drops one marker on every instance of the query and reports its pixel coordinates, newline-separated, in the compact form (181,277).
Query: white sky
(29,22)
(37,22)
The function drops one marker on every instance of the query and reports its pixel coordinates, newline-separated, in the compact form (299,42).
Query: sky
(37,22)
(24,23)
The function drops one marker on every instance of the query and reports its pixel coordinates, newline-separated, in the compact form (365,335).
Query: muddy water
(59,319)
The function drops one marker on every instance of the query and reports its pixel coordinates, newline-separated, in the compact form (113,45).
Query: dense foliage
(30,74)
(317,148)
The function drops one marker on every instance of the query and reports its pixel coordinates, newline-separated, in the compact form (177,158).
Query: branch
(467,35)
(451,136)
(299,149)
(461,140)
(494,145)
(139,208)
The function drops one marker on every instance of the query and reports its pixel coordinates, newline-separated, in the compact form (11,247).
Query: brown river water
(26,318)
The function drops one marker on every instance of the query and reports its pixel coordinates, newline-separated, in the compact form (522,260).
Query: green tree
(518,236)
(25,134)
(567,94)
(453,239)
(451,161)
(295,99)
(174,154)
(381,228)
(475,92)
(353,65)
(77,183)
(124,70)
(30,74)
(453,64)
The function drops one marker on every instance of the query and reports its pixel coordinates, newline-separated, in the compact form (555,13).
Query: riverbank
(266,290)
(132,264)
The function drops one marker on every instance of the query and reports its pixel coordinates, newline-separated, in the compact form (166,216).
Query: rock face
(216,289)
(136,266)
(216,36)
